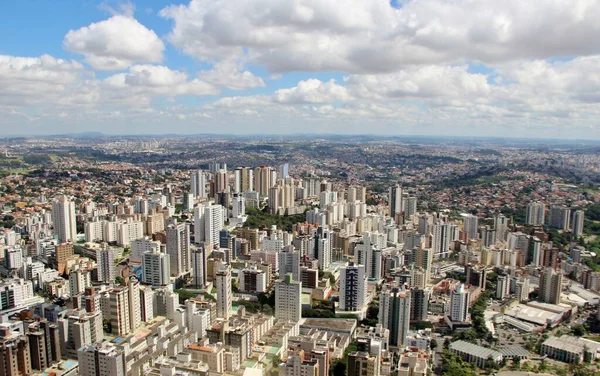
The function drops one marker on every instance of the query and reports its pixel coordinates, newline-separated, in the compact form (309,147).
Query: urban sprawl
(299,256)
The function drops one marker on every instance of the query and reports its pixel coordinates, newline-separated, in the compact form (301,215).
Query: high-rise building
(550,286)
(560,217)
(221,182)
(198,184)
(118,301)
(288,303)
(522,290)
(253,280)
(15,358)
(395,201)
(470,225)
(262,178)
(105,260)
(394,313)
(500,225)
(141,246)
(535,214)
(419,304)
(459,304)
(243,179)
(79,279)
(238,206)
(156,269)
(179,249)
(208,222)
(502,287)
(289,262)
(443,236)
(63,218)
(284,170)
(224,293)
(135,311)
(199,267)
(353,292)
(578,219)
(101,360)
(409,206)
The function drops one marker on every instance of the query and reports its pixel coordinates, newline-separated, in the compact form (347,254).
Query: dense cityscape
(306,255)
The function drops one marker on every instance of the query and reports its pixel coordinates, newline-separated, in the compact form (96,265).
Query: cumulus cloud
(230,74)
(115,44)
(312,91)
(371,36)
(57,83)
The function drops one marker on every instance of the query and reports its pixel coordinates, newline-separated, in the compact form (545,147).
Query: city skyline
(431,68)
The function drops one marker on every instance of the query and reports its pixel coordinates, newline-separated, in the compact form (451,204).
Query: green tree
(433,344)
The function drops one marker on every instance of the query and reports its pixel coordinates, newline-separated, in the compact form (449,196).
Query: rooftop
(476,350)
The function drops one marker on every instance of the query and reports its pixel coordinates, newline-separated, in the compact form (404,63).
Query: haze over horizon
(418,68)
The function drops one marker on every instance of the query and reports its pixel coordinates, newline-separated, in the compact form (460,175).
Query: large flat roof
(345,325)
(475,350)
(531,314)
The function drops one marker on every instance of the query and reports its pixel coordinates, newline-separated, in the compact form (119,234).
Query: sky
(507,68)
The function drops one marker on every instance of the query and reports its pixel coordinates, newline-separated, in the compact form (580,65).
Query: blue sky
(270,66)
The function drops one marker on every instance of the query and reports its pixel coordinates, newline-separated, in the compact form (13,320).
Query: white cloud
(67,85)
(312,91)
(115,44)
(228,73)
(370,36)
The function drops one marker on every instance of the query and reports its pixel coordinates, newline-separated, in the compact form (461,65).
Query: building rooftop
(476,350)
(572,344)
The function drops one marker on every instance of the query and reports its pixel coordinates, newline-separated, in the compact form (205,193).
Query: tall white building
(578,218)
(470,225)
(238,206)
(141,246)
(63,218)
(288,299)
(395,201)
(550,286)
(394,313)
(500,225)
(560,217)
(289,262)
(198,184)
(353,294)
(135,311)
(79,279)
(179,248)
(535,214)
(208,222)
(502,287)
(459,304)
(156,269)
(224,293)
(443,236)
(199,267)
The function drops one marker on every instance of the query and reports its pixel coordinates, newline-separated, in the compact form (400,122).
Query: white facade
(63,218)
(156,268)
(208,222)
(179,248)
(459,304)
(288,303)
(141,246)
